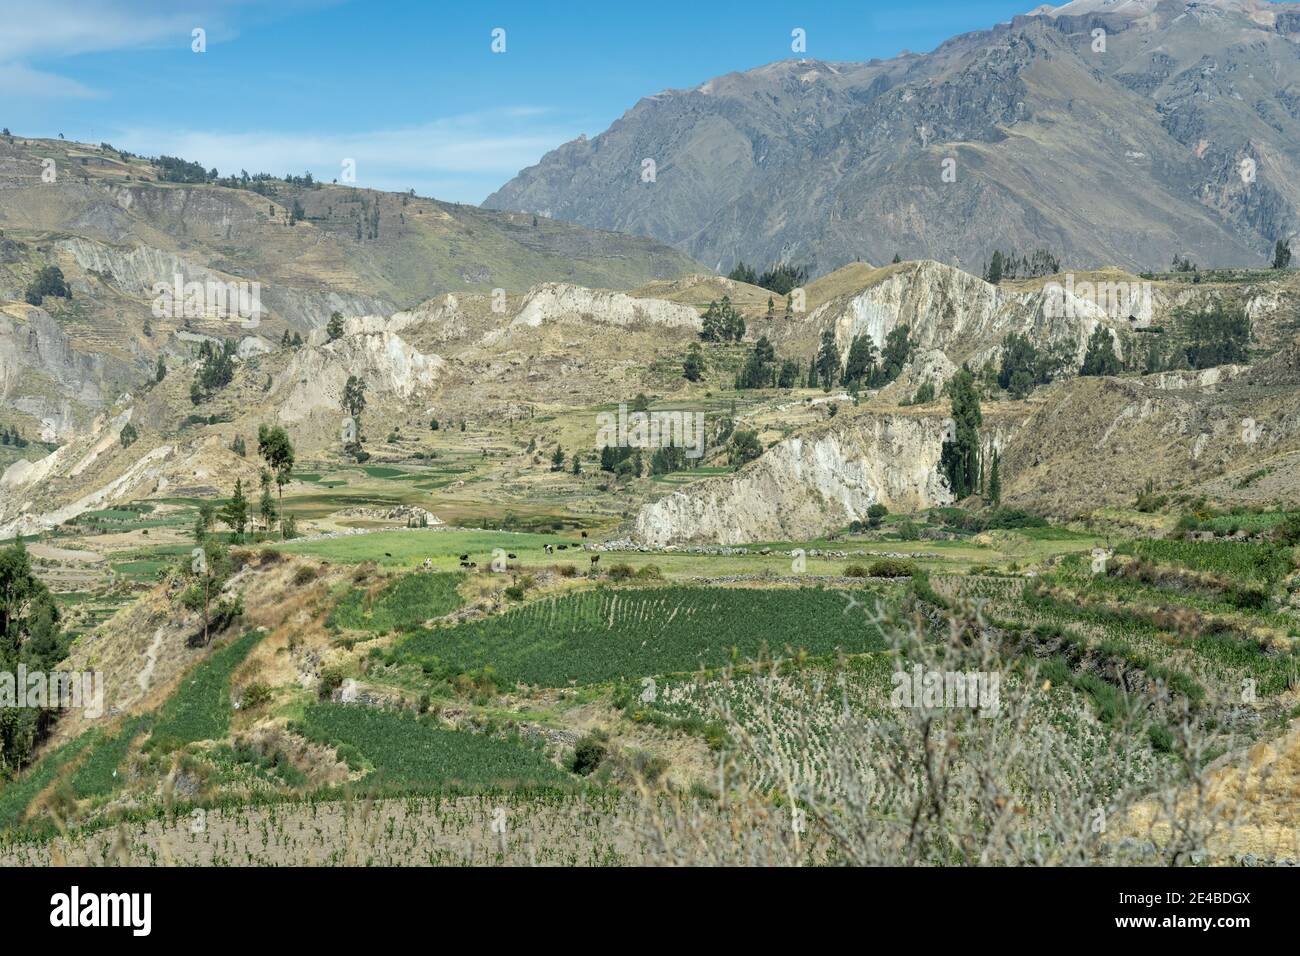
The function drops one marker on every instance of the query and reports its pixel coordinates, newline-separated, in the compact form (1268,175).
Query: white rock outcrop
(808,485)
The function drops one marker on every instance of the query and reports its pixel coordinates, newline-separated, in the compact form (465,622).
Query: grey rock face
(1182,136)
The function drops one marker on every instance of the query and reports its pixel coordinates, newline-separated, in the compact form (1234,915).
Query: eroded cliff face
(43,375)
(559,302)
(135,273)
(808,485)
(389,365)
(961,314)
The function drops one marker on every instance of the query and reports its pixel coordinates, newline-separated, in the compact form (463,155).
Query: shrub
(621,572)
(856,571)
(255,694)
(49,281)
(331,679)
(587,755)
(891,568)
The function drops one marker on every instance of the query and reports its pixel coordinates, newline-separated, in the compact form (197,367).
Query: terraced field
(613,633)
(688,669)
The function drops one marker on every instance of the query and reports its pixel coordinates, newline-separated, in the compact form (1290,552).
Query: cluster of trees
(49,281)
(128,435)
(173,169)
(826,363)
(31,634)
(722,322)
(1218,335)
(866,367)
(1007,265)
(1022,365)
(1100,358)
(558,459)
(780,278)
(10,436)
(277,452)
(288,341)
(621,461)
(762,368)
(216,370)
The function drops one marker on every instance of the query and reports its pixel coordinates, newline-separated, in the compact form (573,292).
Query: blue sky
(410,90)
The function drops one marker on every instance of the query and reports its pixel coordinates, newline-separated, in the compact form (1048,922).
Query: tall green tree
(894,356)
(828,359)
(277,451)
(759,370)
(30,634)
(693,366)
(995,481)
(334,328)
(234,512)
(959,458)
(1282,254)
(861,361)
(266,504)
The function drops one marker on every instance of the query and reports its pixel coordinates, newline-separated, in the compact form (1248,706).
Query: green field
(611,633)
(200,710)
(400,748)
(403,604)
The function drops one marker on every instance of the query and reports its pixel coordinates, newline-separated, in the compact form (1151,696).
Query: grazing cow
(563,547)
(595,558)
(388,554)
(511,556)
(473,564)
(549,549)
(464,557)
(584,534)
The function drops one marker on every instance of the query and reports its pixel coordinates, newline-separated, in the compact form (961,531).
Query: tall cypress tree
(960,458)
(995,481)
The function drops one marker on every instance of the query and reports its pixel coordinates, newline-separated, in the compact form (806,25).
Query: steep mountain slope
(115,228)
(1181,136)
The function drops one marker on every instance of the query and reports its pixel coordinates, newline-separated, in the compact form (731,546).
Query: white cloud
(72,27)
(38,30)
(22,81)
(461,158)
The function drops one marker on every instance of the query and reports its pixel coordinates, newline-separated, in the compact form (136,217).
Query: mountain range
(1111,132)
